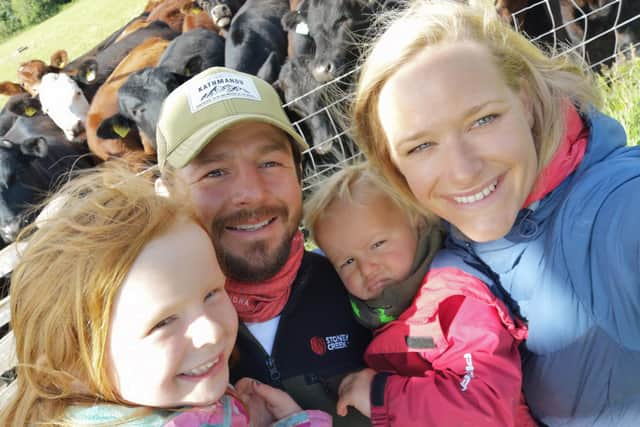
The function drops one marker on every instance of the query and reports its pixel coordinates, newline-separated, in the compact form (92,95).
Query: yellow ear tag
(30,111)
(122,131)
(90,75)
(196,10)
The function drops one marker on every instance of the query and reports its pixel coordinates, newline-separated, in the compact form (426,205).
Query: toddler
(445,349)
(121,317)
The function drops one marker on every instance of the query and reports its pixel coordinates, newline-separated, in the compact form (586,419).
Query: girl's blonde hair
(63,288)
(548,80)
(356,183)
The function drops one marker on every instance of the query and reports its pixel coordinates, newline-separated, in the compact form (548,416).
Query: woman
(471,122)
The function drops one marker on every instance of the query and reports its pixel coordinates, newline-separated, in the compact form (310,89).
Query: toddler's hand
(266,404)
(355,390)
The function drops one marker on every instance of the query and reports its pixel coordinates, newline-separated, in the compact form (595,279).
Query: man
(225,136)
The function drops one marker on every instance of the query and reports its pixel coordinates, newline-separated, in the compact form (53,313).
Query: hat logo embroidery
(221,87)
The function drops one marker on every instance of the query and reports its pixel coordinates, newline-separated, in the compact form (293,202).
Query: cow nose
(9,231)
(324,72)
(221,15)
(77,129)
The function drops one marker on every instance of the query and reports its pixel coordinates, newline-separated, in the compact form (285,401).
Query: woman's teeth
(478,196)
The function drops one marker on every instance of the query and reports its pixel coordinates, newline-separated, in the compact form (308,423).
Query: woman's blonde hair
(64,285)
(548,80)
(356,183)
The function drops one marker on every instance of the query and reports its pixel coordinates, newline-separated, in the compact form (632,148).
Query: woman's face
(461,138)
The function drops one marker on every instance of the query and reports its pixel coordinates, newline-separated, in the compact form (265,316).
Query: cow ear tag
(302,28)
(121,130)
(30,111)
(90,75)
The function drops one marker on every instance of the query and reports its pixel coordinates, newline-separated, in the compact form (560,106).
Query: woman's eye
(420,147)
(484,120)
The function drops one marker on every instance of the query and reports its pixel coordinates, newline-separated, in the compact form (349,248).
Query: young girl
(121,317)
(445,350)
(471,122)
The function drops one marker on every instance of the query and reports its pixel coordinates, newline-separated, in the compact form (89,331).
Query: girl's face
(371,244)
(173,326)
(461,138)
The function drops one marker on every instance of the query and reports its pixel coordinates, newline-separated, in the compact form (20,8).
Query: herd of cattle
(104,104)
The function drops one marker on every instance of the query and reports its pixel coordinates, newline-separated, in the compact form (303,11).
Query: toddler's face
(173,326)
(371,244)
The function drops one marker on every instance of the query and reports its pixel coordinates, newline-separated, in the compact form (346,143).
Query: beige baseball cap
(208,103)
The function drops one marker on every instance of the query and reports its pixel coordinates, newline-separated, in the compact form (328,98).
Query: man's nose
(248,187)
(203,331)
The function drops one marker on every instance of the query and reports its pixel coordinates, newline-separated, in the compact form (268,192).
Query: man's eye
(216,173)
(270,164)
(420,147)
(484,120)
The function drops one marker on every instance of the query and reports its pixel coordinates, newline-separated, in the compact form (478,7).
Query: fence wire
(600,35)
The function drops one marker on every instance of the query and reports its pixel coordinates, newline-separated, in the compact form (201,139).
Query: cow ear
(10,88)
(176,80)
(59,59)
(35,147)
(191,9)
(27,107)
(290,20)
(115,127)
(88,71)
(193,66)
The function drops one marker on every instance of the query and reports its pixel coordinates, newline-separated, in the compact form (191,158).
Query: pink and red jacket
(450,359)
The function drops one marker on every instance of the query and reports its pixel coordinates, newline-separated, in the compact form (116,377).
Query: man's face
(245,190)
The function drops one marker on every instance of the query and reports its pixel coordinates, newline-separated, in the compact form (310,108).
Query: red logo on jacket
(318,346)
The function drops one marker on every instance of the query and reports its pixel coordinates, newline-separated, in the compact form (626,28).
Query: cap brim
(192,146)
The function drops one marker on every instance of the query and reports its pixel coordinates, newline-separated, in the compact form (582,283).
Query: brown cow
(105,103)
(30,73)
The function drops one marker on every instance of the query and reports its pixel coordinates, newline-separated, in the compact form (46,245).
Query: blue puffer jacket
(571,266)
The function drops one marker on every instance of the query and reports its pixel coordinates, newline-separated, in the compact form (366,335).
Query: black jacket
(317,343)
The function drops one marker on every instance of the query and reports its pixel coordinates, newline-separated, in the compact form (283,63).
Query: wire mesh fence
(601,31)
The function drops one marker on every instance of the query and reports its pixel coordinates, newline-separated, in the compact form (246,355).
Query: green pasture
(77,29)
(84,23)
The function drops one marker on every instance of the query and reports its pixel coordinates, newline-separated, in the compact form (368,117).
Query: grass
(77,28)
(621,86)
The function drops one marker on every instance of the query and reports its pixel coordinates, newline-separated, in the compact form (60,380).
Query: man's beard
(256,263)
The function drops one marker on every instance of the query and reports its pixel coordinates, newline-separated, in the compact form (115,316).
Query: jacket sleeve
(614,263)
(310,418)
(473,379)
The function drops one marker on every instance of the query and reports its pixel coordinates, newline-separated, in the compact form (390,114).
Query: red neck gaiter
(565,160)
(261,301)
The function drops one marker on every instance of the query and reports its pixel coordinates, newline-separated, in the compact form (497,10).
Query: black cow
(257,43)
(315,116)
(141,96)
(34,155)
(603,28)
(92,70)
(139,103)
(335,31)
